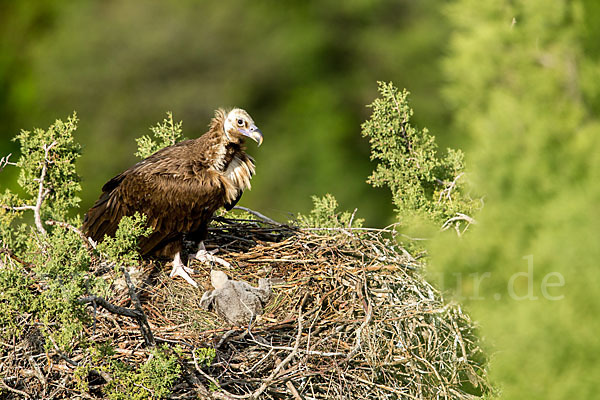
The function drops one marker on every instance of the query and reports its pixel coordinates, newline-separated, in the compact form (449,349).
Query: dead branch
(284,363)
(10,389)
(454,221)
(139,314)
(449,186)
(4,161)
(42,191)
(136,314)
(124,311)
(87,242)
(258,215)
(142,320)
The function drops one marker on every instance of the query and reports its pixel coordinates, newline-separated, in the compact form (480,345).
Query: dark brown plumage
(179,187)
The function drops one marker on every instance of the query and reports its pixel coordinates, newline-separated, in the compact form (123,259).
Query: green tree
(50,271)
(523,80)
(424,184)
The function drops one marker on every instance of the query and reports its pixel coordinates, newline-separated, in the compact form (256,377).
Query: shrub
(422,183)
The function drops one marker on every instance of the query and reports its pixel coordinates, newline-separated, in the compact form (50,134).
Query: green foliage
(49,154)
(122,248)
(52,271)
(523,82)
(16,298)
(56,151)
(151,380)
(421,183)
(205,355)
(63,267)
(325,215)
(166,134)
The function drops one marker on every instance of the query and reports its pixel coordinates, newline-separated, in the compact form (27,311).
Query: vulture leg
(204,256)
(179,269)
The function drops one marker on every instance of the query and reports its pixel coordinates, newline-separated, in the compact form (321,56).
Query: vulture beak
(253,133)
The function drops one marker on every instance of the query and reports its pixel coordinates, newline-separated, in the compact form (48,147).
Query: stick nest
(351,317)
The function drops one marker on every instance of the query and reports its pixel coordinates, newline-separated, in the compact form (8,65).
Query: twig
(225,336)
(38,371)
(258,215)
(127,312)
(139,316)
(384,387)
(345,230)
(290,385)
(285,361)
(86,242)
(10,254)
(17,391)
(4,162)
(352,218)
(303,351)
(449,186)
(100,372)
(42,192)
(225,394)
(142,320)
(364,324)
(458,217)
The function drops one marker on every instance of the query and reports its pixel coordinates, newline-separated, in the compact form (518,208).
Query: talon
(205,256)
(179,269)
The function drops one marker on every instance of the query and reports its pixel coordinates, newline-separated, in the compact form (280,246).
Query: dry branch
(43,191)
(4,161)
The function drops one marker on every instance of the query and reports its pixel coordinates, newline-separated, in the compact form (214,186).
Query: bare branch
(19,208)
(284,363)
(4,162)
(89,244)
(142,320)
(260,216)
(19,392)
(352,218)
(42,191)
(457,218)
(9,253)
(137,312)
(124,311)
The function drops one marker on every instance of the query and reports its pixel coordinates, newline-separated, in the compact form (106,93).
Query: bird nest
(350,317)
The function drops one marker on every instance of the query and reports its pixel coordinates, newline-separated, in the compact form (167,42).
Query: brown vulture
(179,188)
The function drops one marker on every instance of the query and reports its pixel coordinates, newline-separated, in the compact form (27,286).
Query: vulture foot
(204,256)
(179,269)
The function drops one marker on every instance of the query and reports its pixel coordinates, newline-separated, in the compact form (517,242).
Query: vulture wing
(176,192)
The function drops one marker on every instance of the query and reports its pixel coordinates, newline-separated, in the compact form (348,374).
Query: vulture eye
(240,122)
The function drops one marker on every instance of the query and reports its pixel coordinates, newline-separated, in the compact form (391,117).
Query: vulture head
(238,123)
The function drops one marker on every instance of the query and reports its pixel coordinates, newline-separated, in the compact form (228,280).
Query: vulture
(179,188)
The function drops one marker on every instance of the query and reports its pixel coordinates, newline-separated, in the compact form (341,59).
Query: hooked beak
(253,133)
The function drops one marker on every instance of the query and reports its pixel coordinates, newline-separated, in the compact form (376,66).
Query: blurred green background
(516,84)
(304,71)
